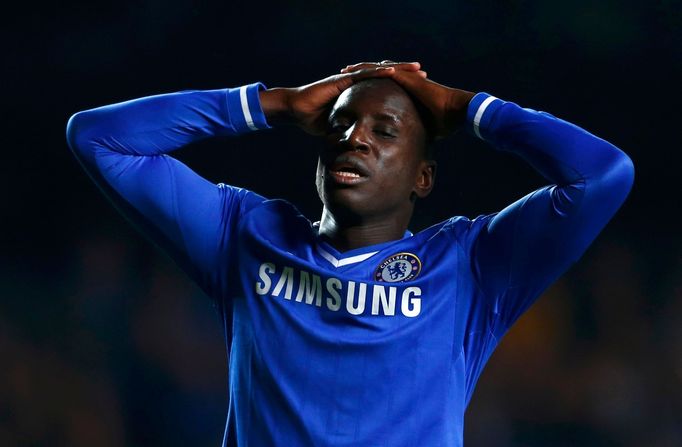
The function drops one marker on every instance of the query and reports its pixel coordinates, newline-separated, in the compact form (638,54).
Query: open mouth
(348,171)
(347,176)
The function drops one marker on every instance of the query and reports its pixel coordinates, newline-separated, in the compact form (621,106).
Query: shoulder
(277,220)
(254,212)
(274,208)
(458,229)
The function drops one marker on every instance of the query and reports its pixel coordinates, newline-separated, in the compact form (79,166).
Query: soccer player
(353,331)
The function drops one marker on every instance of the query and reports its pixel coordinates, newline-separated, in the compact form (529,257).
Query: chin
(347,204)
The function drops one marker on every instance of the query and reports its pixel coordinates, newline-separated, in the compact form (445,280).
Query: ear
(426,175)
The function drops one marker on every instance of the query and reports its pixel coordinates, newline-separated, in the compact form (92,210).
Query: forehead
(382,99)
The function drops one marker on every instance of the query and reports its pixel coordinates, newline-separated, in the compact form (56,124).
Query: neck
(346,235)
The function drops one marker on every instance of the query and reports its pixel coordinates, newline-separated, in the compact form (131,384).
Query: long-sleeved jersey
(377,346)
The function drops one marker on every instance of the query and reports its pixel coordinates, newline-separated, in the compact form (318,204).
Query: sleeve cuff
(480,112)
(243,106)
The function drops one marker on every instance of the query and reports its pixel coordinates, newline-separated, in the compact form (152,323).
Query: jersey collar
(338,259)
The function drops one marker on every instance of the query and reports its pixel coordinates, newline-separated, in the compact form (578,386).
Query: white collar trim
(346,261)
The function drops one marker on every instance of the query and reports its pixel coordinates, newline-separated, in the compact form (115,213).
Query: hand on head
(447,105)
(308,106)
(409,67)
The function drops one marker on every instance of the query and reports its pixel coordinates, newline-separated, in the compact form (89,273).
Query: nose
(356,137)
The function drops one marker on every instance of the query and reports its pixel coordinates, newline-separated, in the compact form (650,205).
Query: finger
(372,72)
(415,82)
(358,66)
(408,66)
(347,79)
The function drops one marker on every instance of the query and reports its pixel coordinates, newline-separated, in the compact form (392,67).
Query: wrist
(275,104)
(458,104)
(454,111)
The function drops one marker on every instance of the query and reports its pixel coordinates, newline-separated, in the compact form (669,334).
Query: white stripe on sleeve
(245,108)
(479,114)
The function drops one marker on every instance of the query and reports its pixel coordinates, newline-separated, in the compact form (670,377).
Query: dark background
(103,341)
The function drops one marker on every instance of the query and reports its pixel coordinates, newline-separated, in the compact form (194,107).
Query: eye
(336,127)
(385,133)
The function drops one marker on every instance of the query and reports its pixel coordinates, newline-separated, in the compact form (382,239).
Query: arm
(525,247)
(123,147)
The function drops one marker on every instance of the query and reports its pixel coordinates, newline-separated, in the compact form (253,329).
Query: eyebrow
(389,117)
(395,119)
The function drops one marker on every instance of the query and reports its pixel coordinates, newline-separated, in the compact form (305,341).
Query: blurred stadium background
(103,341)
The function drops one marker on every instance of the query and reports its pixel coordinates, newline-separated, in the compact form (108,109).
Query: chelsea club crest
(398,268)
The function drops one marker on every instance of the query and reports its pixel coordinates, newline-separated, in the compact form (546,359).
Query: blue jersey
(377,346)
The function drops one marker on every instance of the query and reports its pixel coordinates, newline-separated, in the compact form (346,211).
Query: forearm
(562,152)
(159,124)
(275,105)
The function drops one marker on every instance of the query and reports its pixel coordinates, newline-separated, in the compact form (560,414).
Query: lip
(344,179)
(345,163)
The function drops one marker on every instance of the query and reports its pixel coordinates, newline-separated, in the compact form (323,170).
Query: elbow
(81,132)
(75,131)
(625,172)
(620,176)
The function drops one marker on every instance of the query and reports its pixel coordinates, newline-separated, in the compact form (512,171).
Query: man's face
(374,162)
